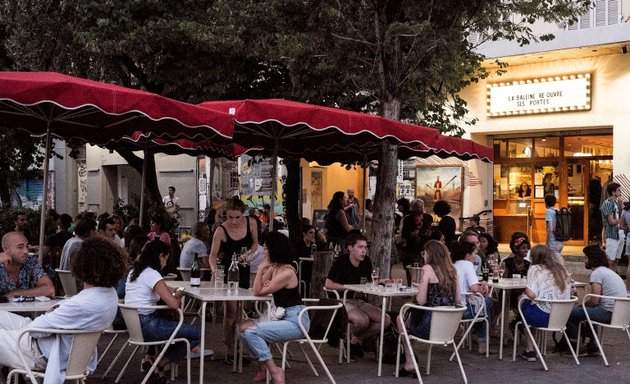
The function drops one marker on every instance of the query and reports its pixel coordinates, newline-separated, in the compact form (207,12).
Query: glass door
(578,176)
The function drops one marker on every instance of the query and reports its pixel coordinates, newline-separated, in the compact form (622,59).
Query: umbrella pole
(144,176)
(274,184)
(211,183)
(364,198)
(42,217)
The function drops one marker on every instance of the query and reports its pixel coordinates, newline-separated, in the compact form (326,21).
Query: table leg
(236,360)
(503,320)
(203,340)
(380,344)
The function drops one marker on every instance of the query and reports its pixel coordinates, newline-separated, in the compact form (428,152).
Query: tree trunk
(292,199)
(385,198)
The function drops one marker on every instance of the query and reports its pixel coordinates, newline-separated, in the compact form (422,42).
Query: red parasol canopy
(52,104)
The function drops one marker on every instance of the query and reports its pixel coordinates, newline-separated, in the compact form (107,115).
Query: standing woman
(276,276)
(447,224)
(238,232)
(415,230)
(145,287)
(546,279)
(438,287)
(337,226)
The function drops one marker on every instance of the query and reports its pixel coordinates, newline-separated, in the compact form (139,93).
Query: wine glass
(501,269)
(337,250)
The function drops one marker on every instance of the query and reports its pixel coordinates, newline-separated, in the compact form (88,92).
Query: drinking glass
(375,277)
(501,269)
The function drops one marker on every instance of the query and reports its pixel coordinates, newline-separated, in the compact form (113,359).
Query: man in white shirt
(197,244)
(171,202)
(99,265)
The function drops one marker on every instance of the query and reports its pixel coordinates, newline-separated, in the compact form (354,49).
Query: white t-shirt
(140,292)
(466,276)
(612,285)
(191,247)
(169,203)
(541,282)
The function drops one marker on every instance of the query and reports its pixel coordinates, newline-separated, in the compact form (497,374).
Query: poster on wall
(440,182)
(255,175)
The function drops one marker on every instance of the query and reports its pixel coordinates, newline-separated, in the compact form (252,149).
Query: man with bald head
(20,273)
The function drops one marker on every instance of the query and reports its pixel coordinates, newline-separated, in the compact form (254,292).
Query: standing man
(555,245)
(611,215)
(437,195)
(171,202)
(352,209)
(350,269)
(21,274)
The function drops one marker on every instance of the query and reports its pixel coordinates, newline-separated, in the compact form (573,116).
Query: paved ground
(479,369)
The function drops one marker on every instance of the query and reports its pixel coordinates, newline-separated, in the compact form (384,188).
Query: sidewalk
(479,369)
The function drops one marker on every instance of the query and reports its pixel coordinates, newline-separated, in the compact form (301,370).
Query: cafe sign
(541,95)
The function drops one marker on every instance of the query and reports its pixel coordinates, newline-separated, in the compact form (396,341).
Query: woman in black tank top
(236,232)
(276,276)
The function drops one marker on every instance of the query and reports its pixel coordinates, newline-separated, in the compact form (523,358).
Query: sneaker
(195,353)
(356,351)
(529,356)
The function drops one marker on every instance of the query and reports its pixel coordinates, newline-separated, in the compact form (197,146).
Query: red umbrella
(291,129)
(52,104)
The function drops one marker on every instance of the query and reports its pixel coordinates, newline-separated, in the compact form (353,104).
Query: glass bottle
(195,272)
(233,274)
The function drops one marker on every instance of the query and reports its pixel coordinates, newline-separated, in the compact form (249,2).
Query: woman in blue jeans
(276,276)
(145,287)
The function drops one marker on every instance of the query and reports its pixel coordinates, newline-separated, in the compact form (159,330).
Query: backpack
(562,231)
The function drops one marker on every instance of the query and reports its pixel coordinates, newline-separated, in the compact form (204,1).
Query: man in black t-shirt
(349,269)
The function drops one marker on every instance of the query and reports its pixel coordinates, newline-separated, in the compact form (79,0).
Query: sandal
(278,378)
(261,375)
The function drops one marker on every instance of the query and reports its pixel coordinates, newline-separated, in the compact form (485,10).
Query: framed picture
(441,182)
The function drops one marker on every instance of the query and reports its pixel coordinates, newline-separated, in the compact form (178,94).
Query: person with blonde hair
(438,287)
(547,279)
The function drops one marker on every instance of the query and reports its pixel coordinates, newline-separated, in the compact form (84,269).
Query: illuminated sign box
(542,95)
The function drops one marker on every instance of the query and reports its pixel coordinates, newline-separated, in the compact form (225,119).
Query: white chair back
(132,320)
(560,312)
(444,323)
(621,313)
(68,282)
(185,272)
(83,345)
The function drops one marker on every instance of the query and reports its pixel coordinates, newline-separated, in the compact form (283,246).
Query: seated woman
(438,288)
(516,264)
(489,246)
(145,287)
(604,281)
(158,230)
(546,279)
(463,254)
(276,276)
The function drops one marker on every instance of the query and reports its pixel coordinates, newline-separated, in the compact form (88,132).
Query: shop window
(547,147)
(500,149)
(586,146)
(520,148)
(512,182)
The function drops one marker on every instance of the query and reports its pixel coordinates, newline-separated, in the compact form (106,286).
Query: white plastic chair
(132,319)
(344,344)
(68,282)
(310,341)
(444,324)
(83,346)
(620,320)
(558,317)
(478,303)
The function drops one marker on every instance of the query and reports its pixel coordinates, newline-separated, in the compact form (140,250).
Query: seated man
(21,274)
(604,281)
(85,228)
(349,269)
(201,235)
(99,264)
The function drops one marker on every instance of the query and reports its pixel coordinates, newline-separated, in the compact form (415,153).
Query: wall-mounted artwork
(440,182)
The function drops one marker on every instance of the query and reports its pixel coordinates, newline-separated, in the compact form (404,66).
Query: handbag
(272,313)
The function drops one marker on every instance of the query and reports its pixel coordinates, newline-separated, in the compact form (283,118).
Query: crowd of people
(135,263)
